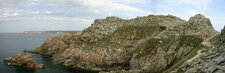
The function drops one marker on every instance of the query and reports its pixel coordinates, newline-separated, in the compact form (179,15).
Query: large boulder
(25,61)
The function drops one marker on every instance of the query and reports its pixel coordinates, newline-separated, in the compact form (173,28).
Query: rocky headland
(153,44)
(210,60)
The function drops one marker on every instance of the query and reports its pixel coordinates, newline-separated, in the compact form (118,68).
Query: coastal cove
(10,43)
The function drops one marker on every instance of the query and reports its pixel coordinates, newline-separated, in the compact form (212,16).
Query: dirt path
(196,56)
(205,43)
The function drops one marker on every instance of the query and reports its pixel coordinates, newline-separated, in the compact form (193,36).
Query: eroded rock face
(212,59)
(150,43)
(57,44)
(25,61)
(106,45)
(160,52)
(223,33)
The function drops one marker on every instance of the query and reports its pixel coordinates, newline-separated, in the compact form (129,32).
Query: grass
(188,40)
(134,32)
(147,47)
(184,59)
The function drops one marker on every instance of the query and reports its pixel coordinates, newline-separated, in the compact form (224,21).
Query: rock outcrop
(212,59)
(55,45)
(25,61)
(151,43)
(160,52)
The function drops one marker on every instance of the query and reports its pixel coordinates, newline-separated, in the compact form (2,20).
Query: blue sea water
(10,43)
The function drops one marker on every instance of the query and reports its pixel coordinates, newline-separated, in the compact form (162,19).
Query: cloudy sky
(26,15)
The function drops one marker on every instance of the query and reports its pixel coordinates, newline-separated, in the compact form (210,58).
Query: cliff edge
(150,43)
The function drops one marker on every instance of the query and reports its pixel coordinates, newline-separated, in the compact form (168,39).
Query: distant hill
(50,32)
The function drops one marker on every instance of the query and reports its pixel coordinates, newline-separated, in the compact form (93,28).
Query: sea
(10,43)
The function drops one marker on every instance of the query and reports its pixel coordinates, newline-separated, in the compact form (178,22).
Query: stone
(150,43)
(25,61)
(212,59)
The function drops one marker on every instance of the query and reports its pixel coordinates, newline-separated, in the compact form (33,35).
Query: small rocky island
(25,61)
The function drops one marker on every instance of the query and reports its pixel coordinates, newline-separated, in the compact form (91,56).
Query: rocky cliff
(169,46)
(151,43)
(211,59)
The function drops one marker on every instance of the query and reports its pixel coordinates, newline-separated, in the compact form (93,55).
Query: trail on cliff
(205,43)
(140,43)
(212,58)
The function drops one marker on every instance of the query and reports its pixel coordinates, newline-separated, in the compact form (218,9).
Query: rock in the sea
(25,61)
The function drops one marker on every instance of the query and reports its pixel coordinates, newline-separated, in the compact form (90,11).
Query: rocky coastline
(148,44)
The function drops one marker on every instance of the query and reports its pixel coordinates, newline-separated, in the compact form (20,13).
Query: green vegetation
(147,47)
(134,32)
(184,59)
(122,37)
(188,40)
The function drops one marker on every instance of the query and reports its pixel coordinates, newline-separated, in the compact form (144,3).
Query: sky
(75,15)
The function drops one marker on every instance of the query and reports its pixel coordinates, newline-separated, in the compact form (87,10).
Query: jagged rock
(25,61)
(212,59)
(150,43)
(169,46)
(223,33)
(56,45)
(67,38)
(104,43)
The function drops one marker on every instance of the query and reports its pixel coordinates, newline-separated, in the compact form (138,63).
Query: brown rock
(25,61)
(67,38)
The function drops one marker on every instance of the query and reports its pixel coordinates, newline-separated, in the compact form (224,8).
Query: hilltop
(153,43)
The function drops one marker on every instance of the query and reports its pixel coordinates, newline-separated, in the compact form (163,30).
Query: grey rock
(150,43)
(212,60)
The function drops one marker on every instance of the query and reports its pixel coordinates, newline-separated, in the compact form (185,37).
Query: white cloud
(15,14)
(109,5)
(8,14)
(110,13)
(69,11)
(191,12)
(48,12)
(50,18)
(132,1)
(37,12)
(193,2)
(95,4)
(96,11)
(126,8)
(149,12)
